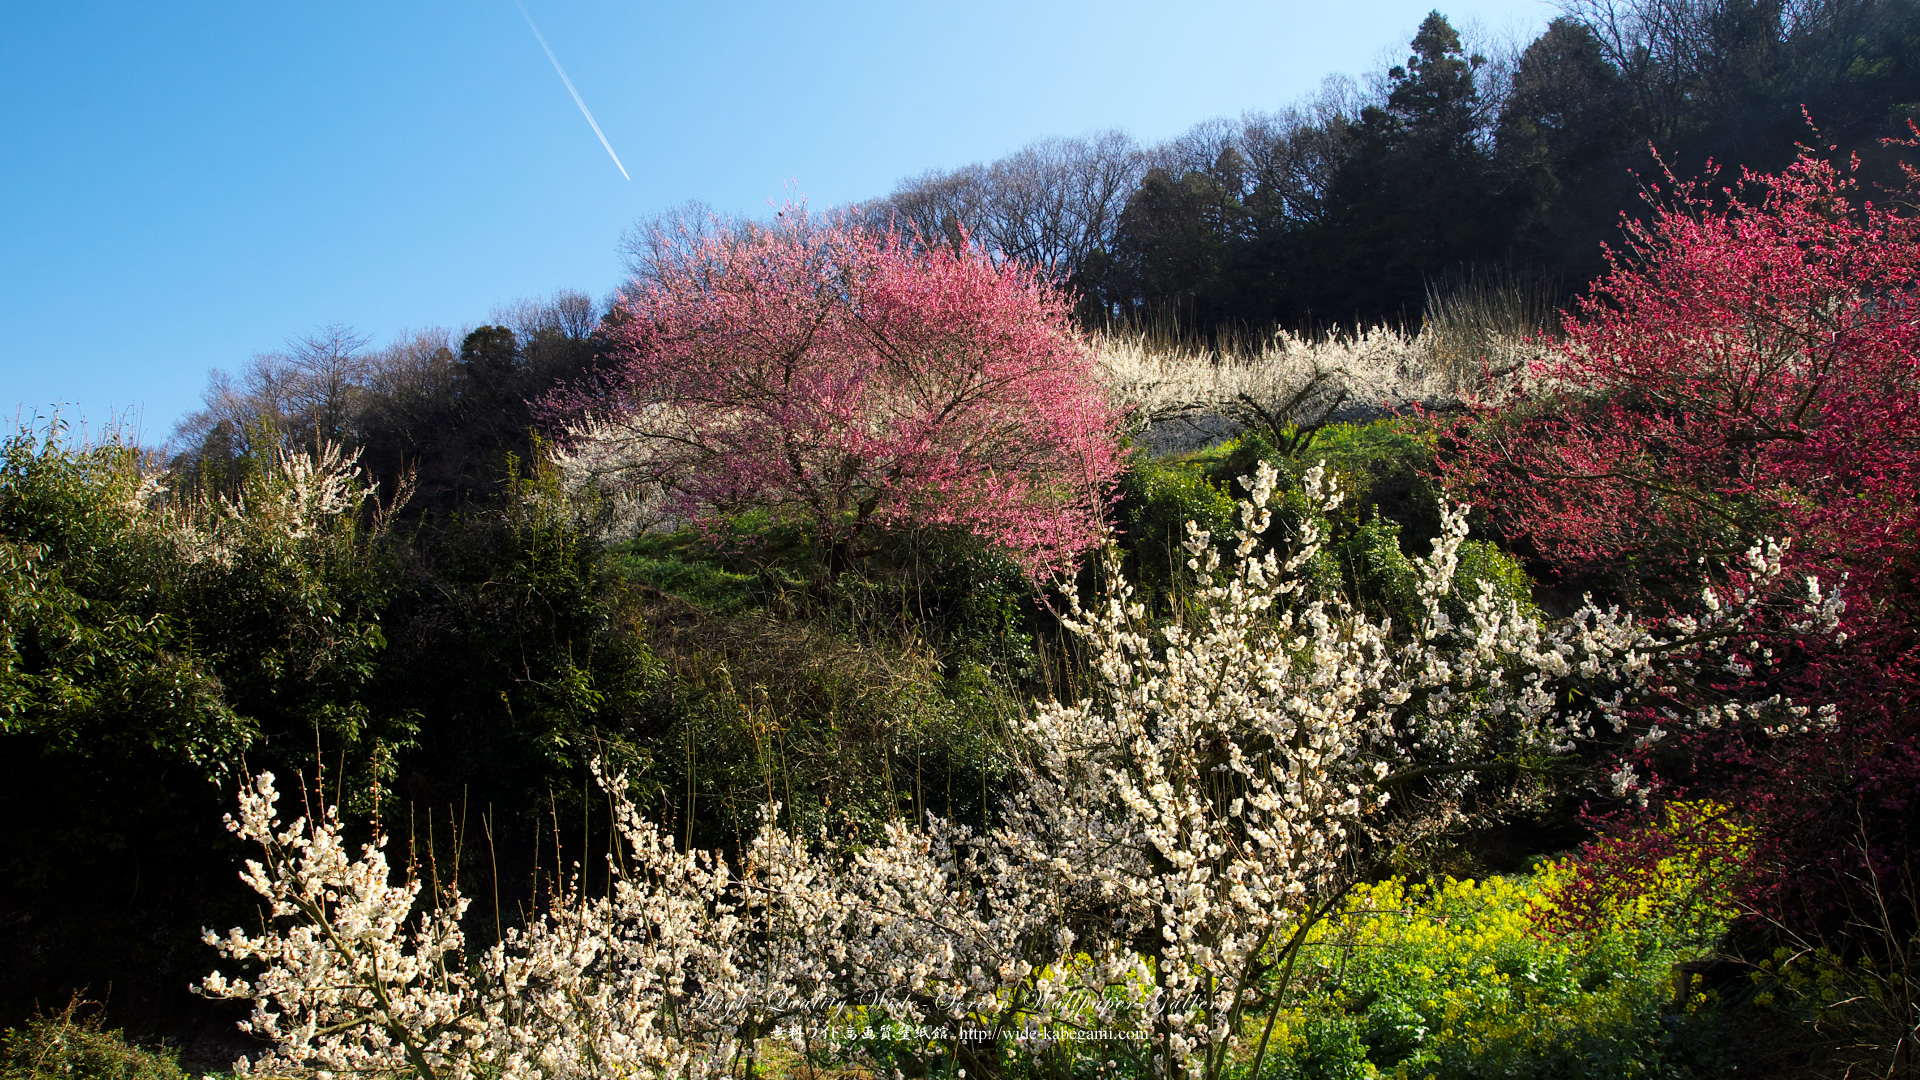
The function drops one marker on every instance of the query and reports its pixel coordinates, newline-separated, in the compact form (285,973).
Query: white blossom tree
(1168,841)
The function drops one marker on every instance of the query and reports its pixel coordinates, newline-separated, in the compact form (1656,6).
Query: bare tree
(236,409)
(302,395)
(568,312)
(1292,154)
(1056,201)
(1051,203)
(418,367)
(329,370)
(936,205)
(1196,149)
(1653,44)
(656,245)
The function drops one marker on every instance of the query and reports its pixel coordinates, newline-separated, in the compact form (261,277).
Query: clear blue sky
(186,184)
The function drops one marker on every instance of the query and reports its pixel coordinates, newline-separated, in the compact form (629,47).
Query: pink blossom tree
(856,383)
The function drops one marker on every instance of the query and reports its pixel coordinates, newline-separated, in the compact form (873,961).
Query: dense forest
(1594,630)
(1350,208)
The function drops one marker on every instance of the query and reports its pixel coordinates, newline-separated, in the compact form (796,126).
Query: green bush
(1383,465)
(1158,498)
(69,1046)
(1388,514)
(148,639)
(873,694)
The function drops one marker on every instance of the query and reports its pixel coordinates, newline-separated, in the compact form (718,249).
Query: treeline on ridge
(1352,207)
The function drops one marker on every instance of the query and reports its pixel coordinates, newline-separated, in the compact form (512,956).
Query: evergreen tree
(1178,243)
(1564,148)
(1416,197)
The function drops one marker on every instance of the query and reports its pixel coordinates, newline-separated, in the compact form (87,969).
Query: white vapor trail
(542,39)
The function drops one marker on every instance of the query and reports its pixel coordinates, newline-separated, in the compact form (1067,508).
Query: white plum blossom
(1164,844)
(352,982)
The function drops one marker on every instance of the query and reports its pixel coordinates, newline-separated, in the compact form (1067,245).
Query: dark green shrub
(1156,501)
(72,1045)
(149,639)
(837,729)
(1388,515)
(1383,465)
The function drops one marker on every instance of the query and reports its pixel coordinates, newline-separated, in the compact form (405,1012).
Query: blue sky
(187,184)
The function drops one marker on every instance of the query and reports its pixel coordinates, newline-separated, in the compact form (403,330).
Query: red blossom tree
(857,383)
(1747,365)
(1750,366)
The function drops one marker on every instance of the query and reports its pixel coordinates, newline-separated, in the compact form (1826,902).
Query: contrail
(542,39)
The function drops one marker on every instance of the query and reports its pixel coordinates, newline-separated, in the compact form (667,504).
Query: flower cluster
(854,382)
(293,496)
(1287,379)
(1167,844)
(354,983)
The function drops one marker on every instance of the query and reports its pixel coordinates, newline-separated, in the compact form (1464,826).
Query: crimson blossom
(855,382)
(1750,366)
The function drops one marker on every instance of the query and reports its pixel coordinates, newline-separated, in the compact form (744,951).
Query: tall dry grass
(1485,327)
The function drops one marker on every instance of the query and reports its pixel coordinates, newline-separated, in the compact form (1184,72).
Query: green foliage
(73,1046)
(182,624)
(869,695)
(1854,998)
(1157,499)
(1560,140)
(427,415)
(1416,192)
(93,652)
(974,606)
(153,638)
(680,566)
(149,639)
(1381,464)
(1389,514)
(1379,575)
(836,729)
(1175,231)
(1483,567)
(720,676)
(513,629)
(966,602)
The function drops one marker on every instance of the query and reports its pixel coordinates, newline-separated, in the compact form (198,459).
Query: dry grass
(1487,327)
